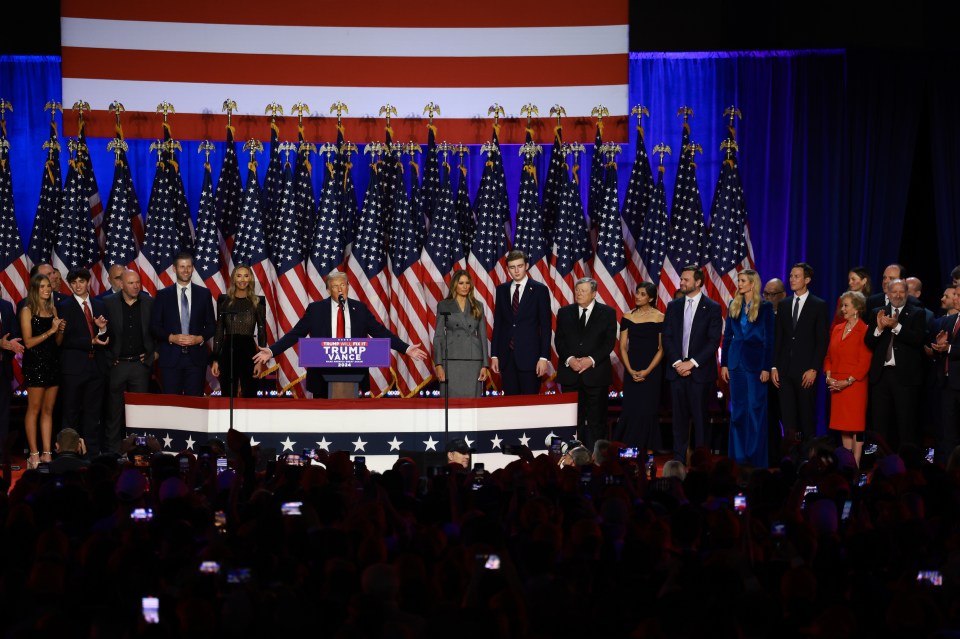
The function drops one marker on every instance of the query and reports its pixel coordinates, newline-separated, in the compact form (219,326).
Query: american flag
(530,238)
(486,262)
(272,189)
(160,242)
(408,312)
(194,53)
(730,247)
(228,199)
(292,296)
(50,206)
(609,263)
(250,247)
(327,248)
(430,185)
(499,178)
(76,244)
(14,264)
(597,194)
(207,257)
(122,208)
(367,271)
(571,246)
(553,189)
(347,210)
(635,206)
(305,211)
(420,223)
(465,219)
(441,249)
(655,234)
(687,244)
(88,184)
(178,199)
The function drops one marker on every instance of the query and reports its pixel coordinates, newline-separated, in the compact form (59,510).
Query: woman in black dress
(42,334)
(240,314)
(641,352)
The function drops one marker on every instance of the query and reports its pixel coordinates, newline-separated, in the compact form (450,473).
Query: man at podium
(336,316)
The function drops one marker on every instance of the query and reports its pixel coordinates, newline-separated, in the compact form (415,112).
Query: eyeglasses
(773,294)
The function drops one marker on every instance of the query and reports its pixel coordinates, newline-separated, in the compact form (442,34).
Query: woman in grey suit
(460,341)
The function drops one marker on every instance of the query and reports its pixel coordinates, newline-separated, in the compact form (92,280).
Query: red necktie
(89,316)
(341,328)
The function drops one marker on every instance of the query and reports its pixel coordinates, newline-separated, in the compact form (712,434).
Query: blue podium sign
(330,352)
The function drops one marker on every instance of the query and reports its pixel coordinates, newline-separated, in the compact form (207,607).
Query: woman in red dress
(846,366)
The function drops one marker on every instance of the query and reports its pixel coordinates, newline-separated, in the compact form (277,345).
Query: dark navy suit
(947,366)
(316,323)
(182,367)
(83,372)
(691,394)
(529,332)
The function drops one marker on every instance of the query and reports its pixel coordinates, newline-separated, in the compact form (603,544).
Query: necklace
(848,328)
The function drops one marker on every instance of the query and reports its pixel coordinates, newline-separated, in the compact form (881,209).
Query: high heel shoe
(46,457)
(33,461)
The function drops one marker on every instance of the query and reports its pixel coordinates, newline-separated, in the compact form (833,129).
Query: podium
(345,361)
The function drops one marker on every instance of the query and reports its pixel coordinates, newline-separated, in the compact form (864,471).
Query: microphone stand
(233,372)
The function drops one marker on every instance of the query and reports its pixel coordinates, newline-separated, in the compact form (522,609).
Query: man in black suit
(10,346)
(946,347)
(586,334)
(322,319)
(520,348)
(692,328)
(115,277)
(83,363)
(880,298)
(130,352)
(801,338)
(895,334)
(774,292)
(182,321)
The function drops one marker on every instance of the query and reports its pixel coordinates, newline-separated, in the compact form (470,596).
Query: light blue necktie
(184,312)
(687,324)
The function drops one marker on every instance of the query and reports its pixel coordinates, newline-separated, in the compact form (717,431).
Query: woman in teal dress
(746,358)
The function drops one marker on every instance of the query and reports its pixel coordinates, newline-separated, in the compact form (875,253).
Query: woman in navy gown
(641,352)
(746,358)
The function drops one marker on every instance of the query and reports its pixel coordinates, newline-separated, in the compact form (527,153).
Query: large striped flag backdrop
(14,264)
(187,53)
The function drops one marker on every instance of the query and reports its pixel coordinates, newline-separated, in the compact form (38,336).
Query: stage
(378,429)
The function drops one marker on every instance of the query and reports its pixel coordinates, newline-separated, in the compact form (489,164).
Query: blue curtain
(945,156)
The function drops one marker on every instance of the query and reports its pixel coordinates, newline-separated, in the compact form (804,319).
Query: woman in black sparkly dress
(42,335)
(241,328)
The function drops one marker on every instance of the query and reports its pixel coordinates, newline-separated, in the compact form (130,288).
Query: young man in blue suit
(520,348)
(692,328)
(321,319)
(182,321)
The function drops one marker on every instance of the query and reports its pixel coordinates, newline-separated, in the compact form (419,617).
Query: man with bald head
(130,352)
(774,291)
(880,298)
(896,334)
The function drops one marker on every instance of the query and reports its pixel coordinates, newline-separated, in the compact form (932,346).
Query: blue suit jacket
(530,328)
(11,327)
(316,323)
(749,348)
(165,321)
(704,338)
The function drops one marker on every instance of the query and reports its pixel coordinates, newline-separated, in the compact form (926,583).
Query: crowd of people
(592,545)
(881,357)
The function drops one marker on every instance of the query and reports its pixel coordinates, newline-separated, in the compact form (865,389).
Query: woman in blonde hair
(746,359)
(42,334)
(460,341)
(241,328)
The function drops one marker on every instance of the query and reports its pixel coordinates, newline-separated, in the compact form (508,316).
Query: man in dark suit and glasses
(586,334)
(182,321)
(520,348)
(83,362)
(896,334)
(692,328)
(336,316)
(130,352)
(801,338)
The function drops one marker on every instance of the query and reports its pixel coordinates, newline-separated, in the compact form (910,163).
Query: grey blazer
(466,335)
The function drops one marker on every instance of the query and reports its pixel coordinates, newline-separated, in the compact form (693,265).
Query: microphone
(340,300)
